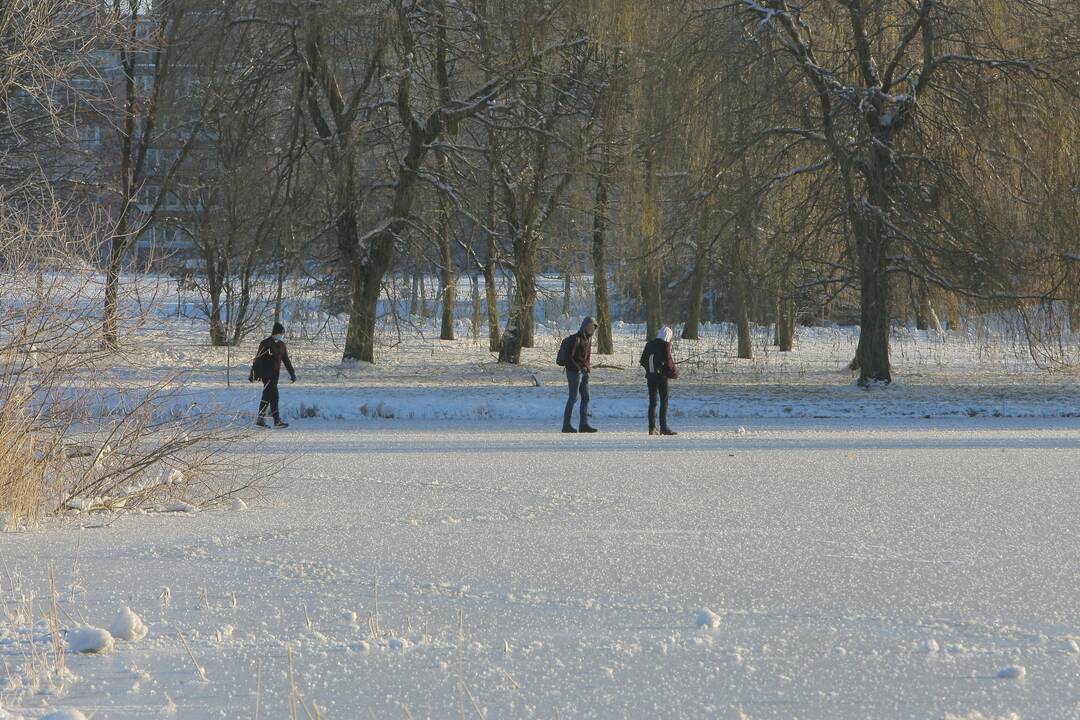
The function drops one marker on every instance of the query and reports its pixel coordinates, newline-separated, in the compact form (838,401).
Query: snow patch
(90,640)
(1012,672)
(706,618)
(128,626)
(64,714)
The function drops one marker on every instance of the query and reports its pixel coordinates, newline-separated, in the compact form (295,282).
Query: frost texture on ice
(128,626)
(89,639)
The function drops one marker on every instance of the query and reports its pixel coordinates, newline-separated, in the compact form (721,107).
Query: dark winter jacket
(269,359)
(656,359)
(580,359)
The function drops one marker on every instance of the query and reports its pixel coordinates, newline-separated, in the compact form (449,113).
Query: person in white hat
(659,367)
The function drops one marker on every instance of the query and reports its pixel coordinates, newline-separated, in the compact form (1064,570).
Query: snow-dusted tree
(889,86)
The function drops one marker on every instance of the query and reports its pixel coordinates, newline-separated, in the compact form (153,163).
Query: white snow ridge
(90,640)
(1012,672)
(708,619)
(128,626)
(65,714)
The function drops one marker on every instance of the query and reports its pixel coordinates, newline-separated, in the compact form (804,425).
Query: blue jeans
(579,383)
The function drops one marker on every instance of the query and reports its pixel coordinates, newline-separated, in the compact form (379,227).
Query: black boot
(279,423)
(585,427)
(667,431)
(261,422)
(569,429)
(652,431)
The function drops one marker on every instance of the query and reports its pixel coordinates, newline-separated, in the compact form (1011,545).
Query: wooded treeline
(753,161)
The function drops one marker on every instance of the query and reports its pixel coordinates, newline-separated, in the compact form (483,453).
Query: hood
(588,326)
(665,334)
(279,329)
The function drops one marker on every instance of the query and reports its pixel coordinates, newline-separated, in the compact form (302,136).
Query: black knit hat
(279,329)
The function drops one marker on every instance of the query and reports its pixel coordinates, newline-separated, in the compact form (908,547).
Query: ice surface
(871,568)
(434,544)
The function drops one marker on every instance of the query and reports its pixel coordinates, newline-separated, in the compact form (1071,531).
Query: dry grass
(72,438)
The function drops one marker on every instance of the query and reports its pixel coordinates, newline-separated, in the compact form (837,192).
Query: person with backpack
(266,368)
(575,354)
(659,368)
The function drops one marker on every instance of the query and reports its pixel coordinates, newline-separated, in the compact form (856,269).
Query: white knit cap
(665,334)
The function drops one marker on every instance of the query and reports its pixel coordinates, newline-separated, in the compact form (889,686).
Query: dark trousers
(269,400)
(658,385)
(578,383)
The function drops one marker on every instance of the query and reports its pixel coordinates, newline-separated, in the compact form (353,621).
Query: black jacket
(656,359)
(269,359)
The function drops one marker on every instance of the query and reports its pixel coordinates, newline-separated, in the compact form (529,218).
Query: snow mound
(238,505)
(87,639)
(708,619)
(1012,672)
(179,506)
(128,626)
(65,714)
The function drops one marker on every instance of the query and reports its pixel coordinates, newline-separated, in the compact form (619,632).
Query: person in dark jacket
(659,368)
(266,368)
(578,365)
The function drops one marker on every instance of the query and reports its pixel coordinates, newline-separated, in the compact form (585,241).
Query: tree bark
(697,279)
(491,294)
(476,319)
(604,342)
(742,305)
(449,278)
(872,352)
(926,318)
(785,320)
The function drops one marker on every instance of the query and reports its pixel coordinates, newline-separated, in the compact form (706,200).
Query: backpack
(566,350)
(263,366)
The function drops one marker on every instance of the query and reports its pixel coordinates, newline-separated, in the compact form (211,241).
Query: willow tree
(383,87)
(878,76)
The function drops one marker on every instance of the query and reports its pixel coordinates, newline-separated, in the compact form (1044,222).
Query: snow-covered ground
(434,548)
(871,569)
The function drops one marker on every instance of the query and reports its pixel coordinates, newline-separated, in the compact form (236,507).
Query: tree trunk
(414,293)
(697,280)
(926,317)
(742,313)
(604,343)
(651,288)
(785,321)
(424,314)
(952,312)
(476,305)
(491,293)
(366,285)
(449,279)
(117,247)
(523,303)
(567,305)
(449,275)
(650,268)
(872,353)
